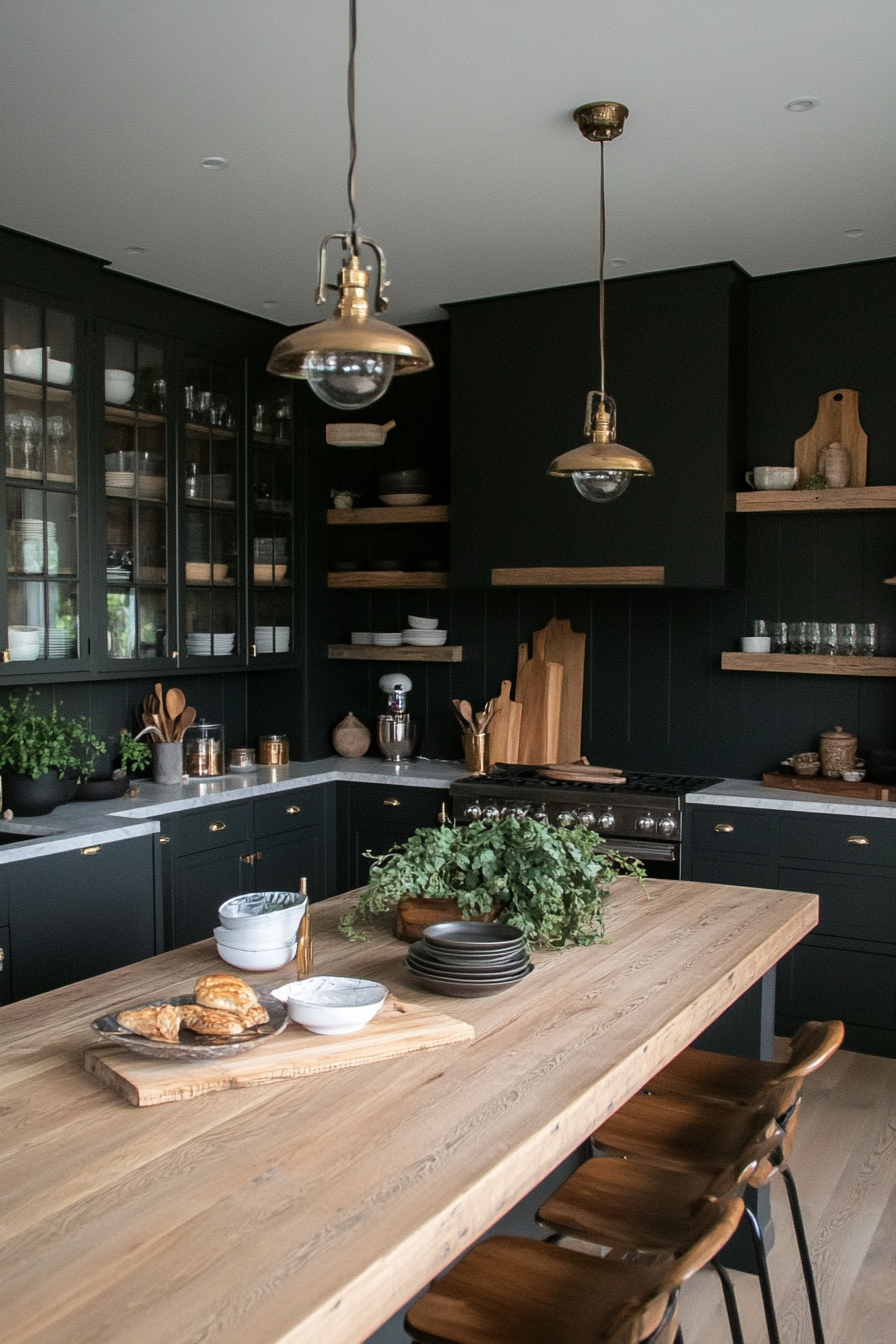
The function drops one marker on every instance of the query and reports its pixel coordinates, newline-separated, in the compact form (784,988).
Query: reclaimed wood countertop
(309,1211)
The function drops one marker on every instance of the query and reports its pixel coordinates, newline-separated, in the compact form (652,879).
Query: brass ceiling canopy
(350,359)
(601,469)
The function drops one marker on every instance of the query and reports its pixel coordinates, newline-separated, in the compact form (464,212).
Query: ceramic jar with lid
(838,752)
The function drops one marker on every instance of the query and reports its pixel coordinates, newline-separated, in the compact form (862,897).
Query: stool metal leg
(734,1325)
(805,1260)
(771,1320)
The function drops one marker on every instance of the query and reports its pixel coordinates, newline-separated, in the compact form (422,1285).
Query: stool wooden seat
(515,1290)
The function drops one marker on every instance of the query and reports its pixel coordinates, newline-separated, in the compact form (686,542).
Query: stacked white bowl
(23,642)
(203,644)
(272,638)
(119,386)
(259,931)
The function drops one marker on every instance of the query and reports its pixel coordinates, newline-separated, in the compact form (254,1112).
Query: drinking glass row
(826,637)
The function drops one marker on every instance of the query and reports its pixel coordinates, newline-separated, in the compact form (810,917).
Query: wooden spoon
(466,710)
(160,711)
(175,703)
(185,721)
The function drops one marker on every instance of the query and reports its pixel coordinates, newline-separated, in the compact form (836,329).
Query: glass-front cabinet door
(271,520)
(209,491)
(45,627)
(135,537)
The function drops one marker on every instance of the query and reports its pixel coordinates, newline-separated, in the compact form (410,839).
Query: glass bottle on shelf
(136,500)
(271,520)
(40,433)
(211,520)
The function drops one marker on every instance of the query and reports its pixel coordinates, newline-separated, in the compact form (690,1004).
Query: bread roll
(225,991)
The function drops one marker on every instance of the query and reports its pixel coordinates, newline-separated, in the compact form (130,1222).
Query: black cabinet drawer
(407,807)
(734,871)
(730,830)
(284,812)
(820,983)
(202,882)
(851,905)
(213,827)
(863,840)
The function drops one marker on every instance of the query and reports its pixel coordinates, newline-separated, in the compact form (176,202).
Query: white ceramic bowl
(240,914)
(119,386)
(334,1005)
(253,940)
(267,960)
(59,372)
(25,363)
(423,622)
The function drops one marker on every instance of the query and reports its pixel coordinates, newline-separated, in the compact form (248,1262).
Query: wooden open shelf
(121,415)
(399,513)
(817,501)
(816,664)
(388,578)
(586,576)
(406,653)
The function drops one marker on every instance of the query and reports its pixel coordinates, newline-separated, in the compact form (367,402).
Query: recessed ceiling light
(801,105)
(617,261)
(215,161)
(134,251)
(855,233)
(269,303)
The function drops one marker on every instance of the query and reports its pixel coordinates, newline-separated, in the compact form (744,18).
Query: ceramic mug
(772,478)
(755,644)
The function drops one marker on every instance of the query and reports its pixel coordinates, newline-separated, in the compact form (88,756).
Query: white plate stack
(204,645)
(60,644)
(424,639)
(388,640)
(272,638)
(26,544)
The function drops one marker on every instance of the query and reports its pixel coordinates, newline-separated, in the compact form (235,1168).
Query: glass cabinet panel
(271,518)
(209,492)
(40,432)
(136,499)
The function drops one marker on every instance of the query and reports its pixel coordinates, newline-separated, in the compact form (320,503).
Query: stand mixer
(396,732)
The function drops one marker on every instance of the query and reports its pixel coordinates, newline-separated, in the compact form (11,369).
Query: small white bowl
(423,622)
(334,1005)
(59,372)
(266,960)
(119,386)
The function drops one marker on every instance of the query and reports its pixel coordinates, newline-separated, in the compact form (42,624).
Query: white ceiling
(472,174)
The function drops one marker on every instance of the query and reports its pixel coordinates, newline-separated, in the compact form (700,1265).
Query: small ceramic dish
(334,1005)
(852,776)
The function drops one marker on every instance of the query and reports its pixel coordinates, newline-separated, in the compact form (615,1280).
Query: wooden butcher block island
(309,1210)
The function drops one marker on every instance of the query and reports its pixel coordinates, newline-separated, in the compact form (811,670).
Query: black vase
(28,797)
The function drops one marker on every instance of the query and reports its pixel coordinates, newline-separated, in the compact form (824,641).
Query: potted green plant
(344,499)
(548,881)
(101,785)
(43,755)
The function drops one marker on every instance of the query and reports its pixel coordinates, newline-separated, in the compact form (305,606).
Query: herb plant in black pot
(102,785)
(42,756)
(550,882)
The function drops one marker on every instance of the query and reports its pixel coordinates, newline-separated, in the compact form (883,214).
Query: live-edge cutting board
(398,1029)
(565,646)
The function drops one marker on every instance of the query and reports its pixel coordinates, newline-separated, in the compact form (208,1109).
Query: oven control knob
(666,825)
(521,810)
(606,821)
(541,814)
(472,812)
(646,822)
(490,813)
(566,818)
(586,816)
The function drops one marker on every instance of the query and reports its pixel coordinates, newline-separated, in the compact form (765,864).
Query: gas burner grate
(640,782)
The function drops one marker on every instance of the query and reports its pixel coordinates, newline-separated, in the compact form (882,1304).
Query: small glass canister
(204,750)
(273,749)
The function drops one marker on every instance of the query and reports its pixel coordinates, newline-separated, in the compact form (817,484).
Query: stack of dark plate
(468,959)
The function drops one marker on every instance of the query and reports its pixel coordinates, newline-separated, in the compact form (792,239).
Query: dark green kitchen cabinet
(80,913)
(201,882)
(373,817)
(522,365)
(5,982)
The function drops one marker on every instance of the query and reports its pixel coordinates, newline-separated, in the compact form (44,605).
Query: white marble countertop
(76,825)
(751,793)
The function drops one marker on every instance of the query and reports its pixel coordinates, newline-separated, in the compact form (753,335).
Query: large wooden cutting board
(539,689)
(837,421)
(504,728)
(399,1028)
(564,646)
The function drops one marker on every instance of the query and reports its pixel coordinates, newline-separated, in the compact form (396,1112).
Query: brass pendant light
(350,359)
(601,469)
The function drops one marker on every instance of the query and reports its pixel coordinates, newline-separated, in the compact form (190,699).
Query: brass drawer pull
(92,849)
(293,810)
(857,840)
(725,827)
(391,802)
(218,826)
(164,839)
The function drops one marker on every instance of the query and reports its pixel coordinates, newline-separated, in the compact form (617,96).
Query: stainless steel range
(640,818)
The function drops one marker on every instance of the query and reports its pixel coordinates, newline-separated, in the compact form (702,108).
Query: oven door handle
(644,849)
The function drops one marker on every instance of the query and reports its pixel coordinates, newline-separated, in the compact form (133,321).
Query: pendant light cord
(353,138)
(603,249)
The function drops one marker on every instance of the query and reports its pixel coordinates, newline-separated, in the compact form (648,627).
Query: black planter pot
(28,797)
(99,790)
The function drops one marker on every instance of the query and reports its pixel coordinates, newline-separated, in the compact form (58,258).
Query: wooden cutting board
(539,689)
(837,421)
(504,743)
(564,646)
(399,1028)
(818,784)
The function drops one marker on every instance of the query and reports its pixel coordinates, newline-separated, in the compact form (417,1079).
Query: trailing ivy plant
(134,755)
(34,742)
(551,882)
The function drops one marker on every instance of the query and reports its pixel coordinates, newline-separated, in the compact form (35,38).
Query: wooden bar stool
(515,1290)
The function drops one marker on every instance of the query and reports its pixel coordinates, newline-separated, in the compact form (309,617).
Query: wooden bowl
(269,573)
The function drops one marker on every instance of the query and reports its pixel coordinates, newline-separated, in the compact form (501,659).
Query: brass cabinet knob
(92,849)
(218,826)
(293,810)
(725,827)
(164,839)
(391,802)
(857,840)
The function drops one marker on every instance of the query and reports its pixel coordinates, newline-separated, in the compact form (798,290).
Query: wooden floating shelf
(34,391)
(817,664)
(817,501)
(399,513)
(405,653)
(121,415)
(588,576)
(387,578)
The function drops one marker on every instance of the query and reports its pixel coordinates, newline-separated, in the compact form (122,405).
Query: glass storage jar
(204,749)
